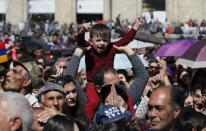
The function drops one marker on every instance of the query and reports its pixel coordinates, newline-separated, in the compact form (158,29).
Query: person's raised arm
(129,36)
(73,64)
(72,68)
(79,38)
(140,73)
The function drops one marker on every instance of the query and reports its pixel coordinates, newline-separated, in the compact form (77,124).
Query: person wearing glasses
(101,79)
(60,66)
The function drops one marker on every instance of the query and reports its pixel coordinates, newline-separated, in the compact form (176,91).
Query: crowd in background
(43,61)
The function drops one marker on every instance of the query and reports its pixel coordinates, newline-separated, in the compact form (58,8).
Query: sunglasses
(154,67)
(120,89)
(64,67)
(71,91)
(117,84)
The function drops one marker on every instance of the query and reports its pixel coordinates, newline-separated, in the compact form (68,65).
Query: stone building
(67,11)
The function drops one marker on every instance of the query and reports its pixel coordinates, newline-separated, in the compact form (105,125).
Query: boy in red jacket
(102,52)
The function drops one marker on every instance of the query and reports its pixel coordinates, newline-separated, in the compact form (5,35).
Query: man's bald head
(164,106)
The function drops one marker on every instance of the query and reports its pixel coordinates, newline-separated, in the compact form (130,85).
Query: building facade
(67,11)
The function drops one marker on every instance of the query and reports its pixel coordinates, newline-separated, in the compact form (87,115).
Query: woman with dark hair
(61,123)
(114,127)
(75,99)
(190,120)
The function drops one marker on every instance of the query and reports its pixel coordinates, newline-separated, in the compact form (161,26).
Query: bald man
(164,106)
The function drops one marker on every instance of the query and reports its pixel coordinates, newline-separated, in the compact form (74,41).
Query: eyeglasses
(154,67)
(119,87)
(64,67)
(117,84)
(71,91)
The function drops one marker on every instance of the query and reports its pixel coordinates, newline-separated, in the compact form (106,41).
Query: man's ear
(26,83)
(98,88)
(194,129)
(1,79)
(177,111)
(15,124)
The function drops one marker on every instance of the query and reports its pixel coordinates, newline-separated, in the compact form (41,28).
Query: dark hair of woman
(189,120)
(59,123)
(115,126)
(77,111)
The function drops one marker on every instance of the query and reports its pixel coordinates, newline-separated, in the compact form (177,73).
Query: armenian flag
(3,54)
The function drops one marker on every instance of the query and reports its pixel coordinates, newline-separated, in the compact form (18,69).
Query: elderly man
(51,95)
(164,106)
(15,112)
(19,79)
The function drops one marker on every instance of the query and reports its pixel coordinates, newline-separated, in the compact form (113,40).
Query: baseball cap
(110,113)
(50,87)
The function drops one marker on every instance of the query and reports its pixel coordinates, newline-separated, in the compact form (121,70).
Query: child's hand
(85,27)
(139,22)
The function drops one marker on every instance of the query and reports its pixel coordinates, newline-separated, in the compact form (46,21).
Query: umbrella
(121,61)
(142,36)
(176,48)
(146,37)
(135,44)
(31,43)
(195,56)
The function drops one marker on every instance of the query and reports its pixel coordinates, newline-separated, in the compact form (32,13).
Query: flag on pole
(3,54)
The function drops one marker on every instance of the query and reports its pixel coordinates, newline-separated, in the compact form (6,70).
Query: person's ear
(177,111)
(194,129)
(98,88)
(26,83)
(15,124)
(1,79)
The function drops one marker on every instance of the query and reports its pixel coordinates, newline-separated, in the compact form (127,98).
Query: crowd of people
(42,87)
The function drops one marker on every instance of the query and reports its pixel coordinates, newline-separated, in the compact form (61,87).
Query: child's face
(99,44)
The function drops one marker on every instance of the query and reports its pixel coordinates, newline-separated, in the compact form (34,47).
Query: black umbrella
(31,43)
(145,37)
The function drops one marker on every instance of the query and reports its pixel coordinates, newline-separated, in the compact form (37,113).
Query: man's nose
(55,101)
(152,113)
(71,95)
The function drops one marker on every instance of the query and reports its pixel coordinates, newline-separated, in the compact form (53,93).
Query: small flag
(3,54)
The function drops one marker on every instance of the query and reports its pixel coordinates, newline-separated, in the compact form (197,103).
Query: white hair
(18,105)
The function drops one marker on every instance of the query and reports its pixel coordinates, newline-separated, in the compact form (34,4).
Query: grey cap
(50,87)
(31,68)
